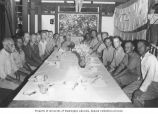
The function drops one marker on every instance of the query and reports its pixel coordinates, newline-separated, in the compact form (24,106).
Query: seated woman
(8,73)
(129,69)
(67,44)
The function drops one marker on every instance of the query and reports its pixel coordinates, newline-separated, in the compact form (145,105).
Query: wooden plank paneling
(35,4)
(32,17)
(90,0)
(25,15)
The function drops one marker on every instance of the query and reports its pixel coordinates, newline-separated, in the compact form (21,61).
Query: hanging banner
(131,15)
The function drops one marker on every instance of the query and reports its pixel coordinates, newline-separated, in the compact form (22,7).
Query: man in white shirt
(42,45)
(147,87)
(8,76)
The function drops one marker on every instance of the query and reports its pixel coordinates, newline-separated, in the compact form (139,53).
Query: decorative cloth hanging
(131,15)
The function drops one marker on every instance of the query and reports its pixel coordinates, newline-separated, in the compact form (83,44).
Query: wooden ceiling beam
(108,0)
(118,1)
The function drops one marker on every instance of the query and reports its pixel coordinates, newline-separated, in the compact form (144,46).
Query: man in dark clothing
(29,52)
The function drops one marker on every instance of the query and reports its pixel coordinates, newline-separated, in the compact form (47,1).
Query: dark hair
(94,31)
(43,31)
(118,37)
(25,33)
(105,33)
(146,43)
(15,41)
(108,38)
(130,41)
(33,34)
(85,37)
(54,34)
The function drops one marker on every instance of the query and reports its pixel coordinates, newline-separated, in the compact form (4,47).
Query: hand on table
(137,94)
(137,100)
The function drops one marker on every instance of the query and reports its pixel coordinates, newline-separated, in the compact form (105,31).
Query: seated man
(50,43)
(105,35)
(87,39)
(129,69)
(67,44)
(57,39)
(18,57)
(99,47)
(94,40)
(42,45)
(146,88)
(28,53)
(108,52)
(8,75)
(118,54)
(35,50)
(38,38)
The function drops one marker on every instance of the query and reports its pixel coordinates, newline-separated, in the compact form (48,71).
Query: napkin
(29,92)
(98,82)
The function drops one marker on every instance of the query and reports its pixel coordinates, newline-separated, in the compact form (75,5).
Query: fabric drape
(129,17)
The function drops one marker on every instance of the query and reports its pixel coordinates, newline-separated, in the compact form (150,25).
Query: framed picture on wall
(77,25)
(51,21)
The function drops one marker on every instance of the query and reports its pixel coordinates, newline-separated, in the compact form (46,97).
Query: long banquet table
(71,86)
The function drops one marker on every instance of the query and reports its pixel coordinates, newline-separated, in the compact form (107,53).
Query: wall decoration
(77,24)
(129,18)
(131,15)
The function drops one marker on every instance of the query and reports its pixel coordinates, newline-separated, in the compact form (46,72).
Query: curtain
(2,22)
(130,19)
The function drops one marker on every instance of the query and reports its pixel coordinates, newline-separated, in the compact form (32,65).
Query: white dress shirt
(7,67)
(149,69)
(42,48)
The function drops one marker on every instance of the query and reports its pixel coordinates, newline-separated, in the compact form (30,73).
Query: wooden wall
(34,7)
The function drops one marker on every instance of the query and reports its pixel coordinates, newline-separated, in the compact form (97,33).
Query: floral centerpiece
(82,52)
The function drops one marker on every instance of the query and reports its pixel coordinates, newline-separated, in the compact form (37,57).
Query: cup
(45,77)
(57,64)
(43,88)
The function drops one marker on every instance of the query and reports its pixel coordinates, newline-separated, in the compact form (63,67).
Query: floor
(4,94)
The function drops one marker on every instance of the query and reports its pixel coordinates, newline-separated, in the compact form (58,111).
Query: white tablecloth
(70,83)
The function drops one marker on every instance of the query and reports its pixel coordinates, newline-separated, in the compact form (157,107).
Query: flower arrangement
(77,24)
(82,52)
(82,49)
